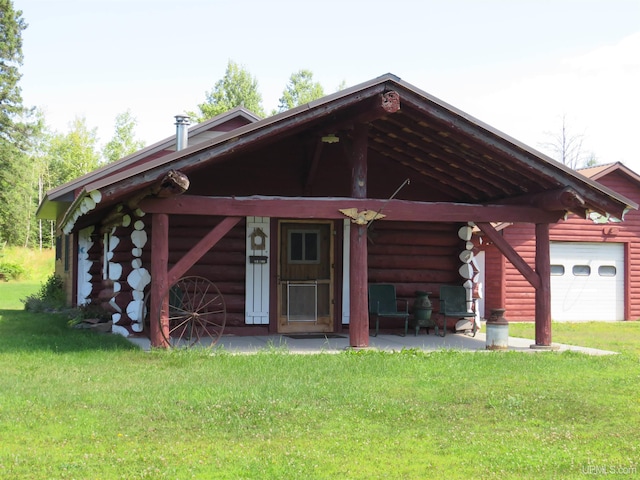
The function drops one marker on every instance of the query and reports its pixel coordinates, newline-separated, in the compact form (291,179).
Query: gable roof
(455,156)
(599,171)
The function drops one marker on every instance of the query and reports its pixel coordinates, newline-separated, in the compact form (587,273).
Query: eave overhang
(441,145)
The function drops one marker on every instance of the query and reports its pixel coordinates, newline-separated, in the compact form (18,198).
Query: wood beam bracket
(563,199)
(509,252)
(171,184)
(376,108)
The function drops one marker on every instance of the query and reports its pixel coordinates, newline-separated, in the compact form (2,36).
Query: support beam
(358,288)
(313,168)
(543,291)
(159,302)
(359,302)
(199,249)
(509,252)
(551,200)
(329,208)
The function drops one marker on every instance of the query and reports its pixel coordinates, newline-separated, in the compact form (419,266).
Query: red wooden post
(359,321)
(543,292)
(159,304)
(359,302)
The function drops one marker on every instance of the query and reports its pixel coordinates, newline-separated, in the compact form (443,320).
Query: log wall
(224,264)
(415,256)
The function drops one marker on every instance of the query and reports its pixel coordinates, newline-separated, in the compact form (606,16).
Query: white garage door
(587,281)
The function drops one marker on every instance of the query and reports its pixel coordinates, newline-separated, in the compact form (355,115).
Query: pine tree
(16,172)
(11,27)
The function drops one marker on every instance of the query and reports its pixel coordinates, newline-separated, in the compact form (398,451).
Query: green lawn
(75,404)
(623,337)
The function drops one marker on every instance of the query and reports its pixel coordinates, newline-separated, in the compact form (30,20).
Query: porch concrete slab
(384,342)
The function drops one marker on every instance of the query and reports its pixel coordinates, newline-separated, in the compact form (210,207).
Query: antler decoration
(363,217)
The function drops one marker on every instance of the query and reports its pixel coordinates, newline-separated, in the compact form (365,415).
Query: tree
(11,26)
(301,89)
(566,148)
(16,168)
(123,142)
(15,195)
(236,88)
(73,154)
(21,168)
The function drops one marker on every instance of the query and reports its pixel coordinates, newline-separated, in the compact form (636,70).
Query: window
(58,248)
(581,270)
(607,271)
(67,253)
(557,270)
(304,246)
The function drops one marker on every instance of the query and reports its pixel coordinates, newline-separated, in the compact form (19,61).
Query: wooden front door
(305,277)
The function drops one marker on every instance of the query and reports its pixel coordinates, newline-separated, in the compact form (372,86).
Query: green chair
(383,303)
(453,303)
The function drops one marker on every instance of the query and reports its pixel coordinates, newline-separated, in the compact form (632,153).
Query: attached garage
(587,281)
(608,290)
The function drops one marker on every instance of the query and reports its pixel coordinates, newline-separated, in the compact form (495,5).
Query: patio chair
(453,303)
(383,303)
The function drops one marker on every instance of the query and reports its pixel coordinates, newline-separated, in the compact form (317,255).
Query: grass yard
(623,337)
(75,404)
(36,265)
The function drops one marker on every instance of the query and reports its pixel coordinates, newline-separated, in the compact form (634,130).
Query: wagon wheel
(197,313)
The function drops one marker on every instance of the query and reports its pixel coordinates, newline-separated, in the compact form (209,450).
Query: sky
(520,66)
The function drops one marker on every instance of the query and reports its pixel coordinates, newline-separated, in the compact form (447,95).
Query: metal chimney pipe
(182,131)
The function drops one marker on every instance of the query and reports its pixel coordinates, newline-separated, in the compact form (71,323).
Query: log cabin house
(301,211)
(592,275)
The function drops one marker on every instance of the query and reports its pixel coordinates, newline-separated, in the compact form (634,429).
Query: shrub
(50,297)
(10,271)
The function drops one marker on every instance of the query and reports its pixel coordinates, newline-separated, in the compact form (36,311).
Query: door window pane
(581,270)
(607,271)
(304,246)
(311,246)
(557,270)
(295,246)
